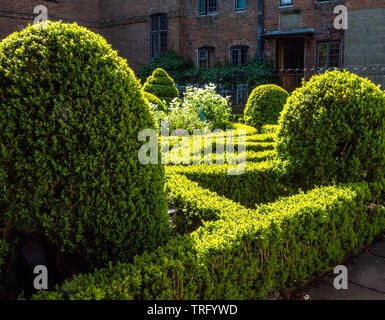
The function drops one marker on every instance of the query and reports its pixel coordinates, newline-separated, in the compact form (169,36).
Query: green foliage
(253,74)
(264,105)
(70,114)
(160,117)
(182,116)
(260,183)
(183,72)
(161,85)
(155,101)
(245,256)
(333,129)
(4,247)
(4,251)
(197,204)
(212,107)
(200,108)
(172,62)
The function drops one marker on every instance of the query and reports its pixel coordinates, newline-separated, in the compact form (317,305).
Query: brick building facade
(298,35)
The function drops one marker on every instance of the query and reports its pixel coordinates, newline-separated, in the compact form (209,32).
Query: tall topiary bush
(70,114)
(333,129)
(264,105)
(161,85)
(155,101)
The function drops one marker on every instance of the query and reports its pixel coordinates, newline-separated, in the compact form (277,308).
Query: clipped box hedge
(197,205)
(260,183)
(246,257)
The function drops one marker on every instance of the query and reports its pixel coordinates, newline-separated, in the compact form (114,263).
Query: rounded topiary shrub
(333,129)
(70,114)
(264,105)
(155,101)
(161,85)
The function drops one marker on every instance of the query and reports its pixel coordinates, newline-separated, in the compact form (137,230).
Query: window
(290,20)
(207,7)
(285,2)
(240,5)
(238,55)
(205,57)
(329,54)
(158,35)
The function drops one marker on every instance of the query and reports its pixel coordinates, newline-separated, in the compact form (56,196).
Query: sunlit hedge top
(161,85)
(333,128)
(264,105)
(154,100)
(70,114)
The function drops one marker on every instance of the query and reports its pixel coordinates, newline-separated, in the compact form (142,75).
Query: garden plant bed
(224,250)
(129,191)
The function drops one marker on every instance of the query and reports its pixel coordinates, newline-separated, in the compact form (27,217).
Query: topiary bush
(70,113)
(161,85)
(333,129)
(264,105)
(155,101)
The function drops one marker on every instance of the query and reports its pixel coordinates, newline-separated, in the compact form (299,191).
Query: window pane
(154,39)
(155,23)
(163,23)
(243,57)
(202,6)
(235,57)
(212,6)
(286,2)
(334,54)
(240,4)
(322,60)
(163,43)
(158,35)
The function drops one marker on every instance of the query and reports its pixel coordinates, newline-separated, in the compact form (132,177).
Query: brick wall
(225,29)
(17,14)
(126,25)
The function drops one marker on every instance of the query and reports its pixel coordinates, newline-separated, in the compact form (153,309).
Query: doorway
(290,62)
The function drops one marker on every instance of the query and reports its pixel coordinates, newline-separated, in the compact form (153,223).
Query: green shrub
(260,147)
(196,204)
(247,256)
(155,101)
(260,183)
(161,85)
(70,114)
(333,129)
(264,105)
(201,108)
(182,116)
(183,71)
(212,108)
(4,251)
(4,247)
(174,64)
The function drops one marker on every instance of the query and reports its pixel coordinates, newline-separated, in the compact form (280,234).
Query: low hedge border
(197,205)
(261,182)
(251,156)
(292,240)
